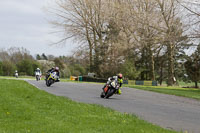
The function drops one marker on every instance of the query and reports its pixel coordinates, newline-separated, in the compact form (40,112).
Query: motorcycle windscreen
(106,89)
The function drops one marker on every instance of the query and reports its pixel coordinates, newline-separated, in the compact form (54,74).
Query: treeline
(143,39)
(68,65)
(17,59)
(20,59)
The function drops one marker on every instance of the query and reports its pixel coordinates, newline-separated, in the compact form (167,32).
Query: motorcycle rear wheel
(102,95)
(109,93)
(37,78)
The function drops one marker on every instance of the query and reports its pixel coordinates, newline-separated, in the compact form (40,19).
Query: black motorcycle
(110,88)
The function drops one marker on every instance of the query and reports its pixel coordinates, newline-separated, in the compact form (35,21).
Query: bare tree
(192,12)
(173,33)
(140,29)
(15,54)
(4,55)
(83,21)
(109,29)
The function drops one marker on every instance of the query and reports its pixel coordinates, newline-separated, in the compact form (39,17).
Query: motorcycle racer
(119,79)
(38,73)
(54,69)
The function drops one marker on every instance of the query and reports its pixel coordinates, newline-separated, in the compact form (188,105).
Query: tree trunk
(96,56)
(161,73)
(196,84)
(90,48)
(91,62)
(152,71)
(170,51)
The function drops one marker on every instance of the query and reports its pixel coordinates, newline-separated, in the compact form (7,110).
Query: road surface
(167,111)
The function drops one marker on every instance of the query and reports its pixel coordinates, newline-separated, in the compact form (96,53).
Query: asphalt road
(170,112)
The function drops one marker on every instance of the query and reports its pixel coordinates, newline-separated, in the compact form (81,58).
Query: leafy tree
(44,57)
(36,65)
(25,67)
(8,68)
(65,73)
(161,68)
(58,62)
(77,70)
(192,66)
(129,71)
(1,68)
(38,57)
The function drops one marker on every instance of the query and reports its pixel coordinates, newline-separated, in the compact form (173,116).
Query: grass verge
(20,77)
(184,92)
(25,109)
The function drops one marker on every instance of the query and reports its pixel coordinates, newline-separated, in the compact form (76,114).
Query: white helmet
(38,68)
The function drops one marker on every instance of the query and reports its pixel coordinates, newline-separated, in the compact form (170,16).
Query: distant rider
(16,74)
(38,72)
(54,69)
(119,79)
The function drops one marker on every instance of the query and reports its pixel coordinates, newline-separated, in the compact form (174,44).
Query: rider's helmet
(38,68)
(16,71)
(120,76)
(57,69)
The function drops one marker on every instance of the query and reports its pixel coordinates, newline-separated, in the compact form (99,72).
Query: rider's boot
(119,92)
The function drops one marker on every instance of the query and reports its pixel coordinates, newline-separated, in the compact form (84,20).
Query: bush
(129,71)
(25,66)
(36,65)
(91,79)
(1,69)
(77,70)
(8,68)
(65,73)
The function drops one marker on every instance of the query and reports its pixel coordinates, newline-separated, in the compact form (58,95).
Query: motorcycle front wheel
(48,83)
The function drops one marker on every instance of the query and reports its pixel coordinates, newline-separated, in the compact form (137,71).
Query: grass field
(20,77)
(178,91)
(25,109)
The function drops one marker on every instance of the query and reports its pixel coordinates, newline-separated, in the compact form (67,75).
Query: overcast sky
(23,23)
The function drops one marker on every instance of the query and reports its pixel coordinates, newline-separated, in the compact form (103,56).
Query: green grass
(184,92)
(181,84)
(20,77)
(32,77)
(25,109)
(184,84)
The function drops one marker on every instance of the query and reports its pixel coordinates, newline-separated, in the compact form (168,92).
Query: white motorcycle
(16,75)
(37,76)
